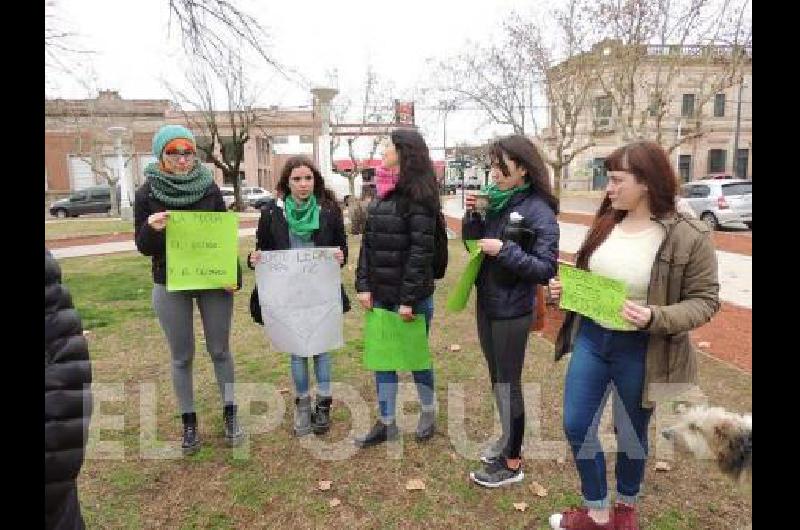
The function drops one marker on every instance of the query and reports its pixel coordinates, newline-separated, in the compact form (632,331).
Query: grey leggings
(503,343)
(174,310)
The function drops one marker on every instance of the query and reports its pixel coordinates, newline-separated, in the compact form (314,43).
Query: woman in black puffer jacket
(395,266)
(67,401)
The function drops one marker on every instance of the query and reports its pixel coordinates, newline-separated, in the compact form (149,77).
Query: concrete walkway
(110,248)
(735,270)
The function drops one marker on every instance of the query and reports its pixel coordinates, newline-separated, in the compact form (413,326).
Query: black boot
(321,418)
(380,433)
(233,433)
(191,440)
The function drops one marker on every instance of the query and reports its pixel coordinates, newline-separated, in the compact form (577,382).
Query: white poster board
(301,301)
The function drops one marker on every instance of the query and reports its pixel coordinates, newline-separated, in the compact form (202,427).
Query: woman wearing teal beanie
(178,181)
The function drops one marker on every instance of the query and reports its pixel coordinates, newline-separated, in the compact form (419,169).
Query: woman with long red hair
(669,266)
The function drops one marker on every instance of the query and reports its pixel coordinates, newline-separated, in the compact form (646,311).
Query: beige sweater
(629,258)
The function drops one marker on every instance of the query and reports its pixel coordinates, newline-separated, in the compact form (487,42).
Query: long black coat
(67,400)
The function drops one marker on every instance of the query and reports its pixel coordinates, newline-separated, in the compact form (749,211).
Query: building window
(599,175)
(602,107)
(306,139)
(716,160)
(741,163)
(687,110)
(719,105)
(685,167)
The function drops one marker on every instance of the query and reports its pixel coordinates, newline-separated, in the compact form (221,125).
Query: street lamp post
(125,210)
(736,135)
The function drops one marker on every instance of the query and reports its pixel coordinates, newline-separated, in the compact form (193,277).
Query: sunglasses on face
(175,154)
(304,177)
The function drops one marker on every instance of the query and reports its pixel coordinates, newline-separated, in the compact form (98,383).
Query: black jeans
(503,343)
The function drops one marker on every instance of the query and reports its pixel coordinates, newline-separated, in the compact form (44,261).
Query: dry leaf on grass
(455,347)
(333,503)
(284,391)
(324,485)
(415,484)
(663,466)
(538,489)
(520,506)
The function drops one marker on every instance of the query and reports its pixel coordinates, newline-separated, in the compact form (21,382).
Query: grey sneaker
(496,474)
(302,416)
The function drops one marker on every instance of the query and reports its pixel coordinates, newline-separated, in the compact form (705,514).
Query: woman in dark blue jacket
(519,237)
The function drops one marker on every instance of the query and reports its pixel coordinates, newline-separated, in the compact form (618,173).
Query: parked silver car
(720,202)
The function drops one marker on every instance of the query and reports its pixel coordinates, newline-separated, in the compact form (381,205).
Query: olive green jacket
(683,295)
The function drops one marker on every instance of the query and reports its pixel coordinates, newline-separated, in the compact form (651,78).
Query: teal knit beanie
(166,134)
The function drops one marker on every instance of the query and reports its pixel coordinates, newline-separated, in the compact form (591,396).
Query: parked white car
(720,202)
(255,196)
(227,196)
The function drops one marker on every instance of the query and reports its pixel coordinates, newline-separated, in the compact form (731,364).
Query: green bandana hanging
(303,220)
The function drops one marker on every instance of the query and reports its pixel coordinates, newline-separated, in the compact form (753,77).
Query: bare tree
(565,73)
(497,77)
(655,43)
(222,134)
(376,106)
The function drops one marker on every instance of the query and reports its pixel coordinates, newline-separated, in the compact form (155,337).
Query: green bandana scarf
(499,198)
(178,190)
(303,220)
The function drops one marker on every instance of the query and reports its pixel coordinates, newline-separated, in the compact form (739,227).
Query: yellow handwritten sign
(201,250)
(594,296)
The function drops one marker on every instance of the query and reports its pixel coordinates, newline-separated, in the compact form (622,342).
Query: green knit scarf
(499,198)
(303,220)
(178,190)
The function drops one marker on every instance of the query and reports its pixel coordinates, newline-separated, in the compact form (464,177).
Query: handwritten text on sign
(594,296)
(301,301)
(201,250)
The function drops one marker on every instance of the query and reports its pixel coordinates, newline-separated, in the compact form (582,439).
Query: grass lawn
(275,482)
(66,228)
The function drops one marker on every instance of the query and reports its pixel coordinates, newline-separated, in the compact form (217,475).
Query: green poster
(594,296)
(390,343)
(201,250)
(458,298)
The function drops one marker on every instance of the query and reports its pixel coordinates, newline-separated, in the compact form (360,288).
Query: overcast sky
(133,49)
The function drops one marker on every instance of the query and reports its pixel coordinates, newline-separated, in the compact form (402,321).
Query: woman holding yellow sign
(178,181)
(668,265)
(516,230)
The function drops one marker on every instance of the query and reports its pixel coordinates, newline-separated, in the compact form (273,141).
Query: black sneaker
(190,443)
(497,474)
(233,432)
(426,427)
(380,433)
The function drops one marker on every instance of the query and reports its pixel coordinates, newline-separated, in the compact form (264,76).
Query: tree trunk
(557,171)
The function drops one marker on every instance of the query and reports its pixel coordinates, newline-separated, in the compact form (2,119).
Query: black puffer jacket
(154,243)
(396,259)
(67,400)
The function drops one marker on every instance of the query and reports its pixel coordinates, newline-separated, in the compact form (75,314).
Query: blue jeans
(322,369)
(386,382)
(602,357)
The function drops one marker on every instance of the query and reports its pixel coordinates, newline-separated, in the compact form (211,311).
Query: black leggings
(503,343)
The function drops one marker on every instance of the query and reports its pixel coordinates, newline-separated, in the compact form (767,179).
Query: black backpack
(440,247)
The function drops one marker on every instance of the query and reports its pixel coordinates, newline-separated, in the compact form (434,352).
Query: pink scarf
(385,181)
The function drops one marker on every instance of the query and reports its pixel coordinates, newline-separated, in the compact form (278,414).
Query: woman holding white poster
(178,181)
(668,265)
(305,215)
